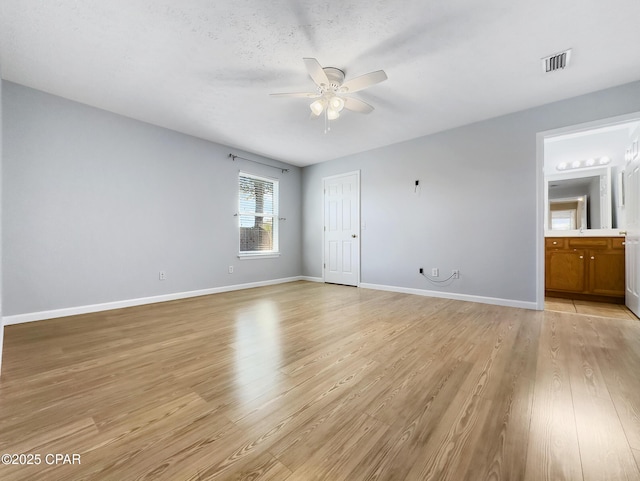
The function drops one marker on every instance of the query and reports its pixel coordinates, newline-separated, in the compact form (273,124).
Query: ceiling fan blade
(357,105)
(306,95)
(316,72)
(364,81)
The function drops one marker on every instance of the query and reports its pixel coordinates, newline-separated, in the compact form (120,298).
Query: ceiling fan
(331,95)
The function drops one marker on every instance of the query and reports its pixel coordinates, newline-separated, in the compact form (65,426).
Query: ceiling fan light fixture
(336,103)
(332,114)
(317,106)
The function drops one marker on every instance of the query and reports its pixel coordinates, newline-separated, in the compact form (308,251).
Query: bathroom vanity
(587,268)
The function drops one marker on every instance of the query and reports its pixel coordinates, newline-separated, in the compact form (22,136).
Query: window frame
(275,251)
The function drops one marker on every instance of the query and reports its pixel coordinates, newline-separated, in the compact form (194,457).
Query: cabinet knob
(554,242)
(592,257)
(581,257)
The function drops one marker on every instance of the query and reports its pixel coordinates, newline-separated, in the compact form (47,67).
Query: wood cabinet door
(606,272)
(565,270)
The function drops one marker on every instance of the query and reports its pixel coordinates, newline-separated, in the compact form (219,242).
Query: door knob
(354,236)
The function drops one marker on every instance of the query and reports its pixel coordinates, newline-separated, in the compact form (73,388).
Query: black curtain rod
(234,157)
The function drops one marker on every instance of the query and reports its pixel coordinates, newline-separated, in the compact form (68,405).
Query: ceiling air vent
(556,61)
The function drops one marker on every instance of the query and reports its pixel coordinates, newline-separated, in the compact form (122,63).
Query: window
(568,214)
(563,219)
(258,214)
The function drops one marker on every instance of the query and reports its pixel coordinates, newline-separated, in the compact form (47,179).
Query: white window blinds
(258,214)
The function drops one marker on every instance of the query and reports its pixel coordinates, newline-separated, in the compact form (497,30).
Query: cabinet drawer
(589,242)
(555,242)
(617,242)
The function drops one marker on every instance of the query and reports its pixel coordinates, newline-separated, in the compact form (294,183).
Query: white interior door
(632,242)
(342,229)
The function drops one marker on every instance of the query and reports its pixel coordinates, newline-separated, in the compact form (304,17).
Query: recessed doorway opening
(587,200)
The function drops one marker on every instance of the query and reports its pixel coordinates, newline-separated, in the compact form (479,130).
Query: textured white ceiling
(206,67)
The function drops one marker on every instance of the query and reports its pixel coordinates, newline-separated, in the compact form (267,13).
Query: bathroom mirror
(579,200)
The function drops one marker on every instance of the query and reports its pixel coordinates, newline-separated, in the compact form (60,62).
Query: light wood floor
(309,381)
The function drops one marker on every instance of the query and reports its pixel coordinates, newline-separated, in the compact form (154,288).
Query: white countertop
(585,233)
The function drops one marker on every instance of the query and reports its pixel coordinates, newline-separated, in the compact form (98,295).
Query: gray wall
(476,208)
(1,243)
(96,204)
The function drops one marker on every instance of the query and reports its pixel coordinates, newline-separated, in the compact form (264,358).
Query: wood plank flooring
(307,381)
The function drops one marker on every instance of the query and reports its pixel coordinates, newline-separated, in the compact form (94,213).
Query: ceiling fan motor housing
(335,76)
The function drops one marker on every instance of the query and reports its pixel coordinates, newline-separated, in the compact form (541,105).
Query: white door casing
(341,240)
(632,241)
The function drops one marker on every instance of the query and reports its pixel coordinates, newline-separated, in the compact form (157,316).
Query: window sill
(266,255)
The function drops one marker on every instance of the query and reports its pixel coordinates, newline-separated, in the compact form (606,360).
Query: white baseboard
(107,306)
(311,279)
(452,295)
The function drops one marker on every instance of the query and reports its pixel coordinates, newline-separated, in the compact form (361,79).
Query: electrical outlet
(455,274)
(162,275)
(434,272)
(230,269)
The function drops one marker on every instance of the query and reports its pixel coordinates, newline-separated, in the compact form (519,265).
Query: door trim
(322,182)
(540,186)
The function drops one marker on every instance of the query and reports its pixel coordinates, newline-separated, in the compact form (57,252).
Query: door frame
(322,182)
(541,194)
